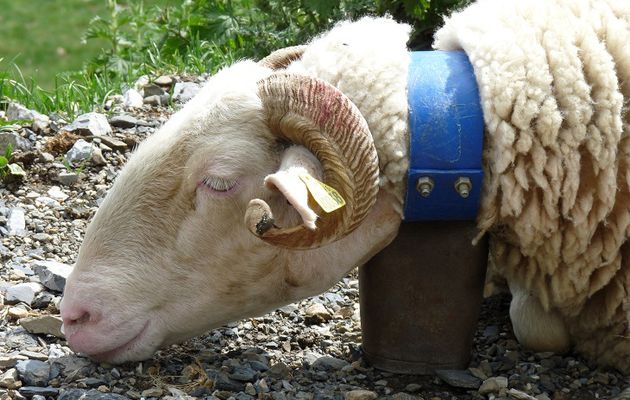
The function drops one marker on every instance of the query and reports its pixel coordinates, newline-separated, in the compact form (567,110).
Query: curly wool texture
(554,79)
(368,61)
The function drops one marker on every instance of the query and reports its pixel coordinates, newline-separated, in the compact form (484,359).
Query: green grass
(43,37)
(40,39)
(35,73)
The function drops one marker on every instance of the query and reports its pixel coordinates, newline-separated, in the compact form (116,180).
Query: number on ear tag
(327,197)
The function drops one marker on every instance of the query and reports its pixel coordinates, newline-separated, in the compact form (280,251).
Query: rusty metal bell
(421,297)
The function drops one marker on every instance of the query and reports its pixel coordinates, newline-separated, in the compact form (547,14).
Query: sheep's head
(170,252)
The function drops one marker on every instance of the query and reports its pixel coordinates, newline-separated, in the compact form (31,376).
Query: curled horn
(281,59)
(314,114)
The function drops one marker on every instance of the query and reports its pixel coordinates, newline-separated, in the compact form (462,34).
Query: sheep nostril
(81,320)
(76,318)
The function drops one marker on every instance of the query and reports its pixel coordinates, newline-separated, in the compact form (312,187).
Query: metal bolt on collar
(425,186)
(463,185)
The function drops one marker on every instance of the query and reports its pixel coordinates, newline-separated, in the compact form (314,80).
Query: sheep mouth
(118,353)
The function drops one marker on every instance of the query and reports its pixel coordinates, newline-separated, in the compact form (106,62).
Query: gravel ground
(307,350)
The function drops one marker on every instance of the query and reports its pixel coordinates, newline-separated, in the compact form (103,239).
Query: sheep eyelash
(219,184)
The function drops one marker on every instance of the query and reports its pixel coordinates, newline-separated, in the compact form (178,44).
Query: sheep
(553,77)
(554,81)
(171,227)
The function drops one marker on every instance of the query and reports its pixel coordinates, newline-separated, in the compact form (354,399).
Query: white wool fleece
(368,61)
(554,80)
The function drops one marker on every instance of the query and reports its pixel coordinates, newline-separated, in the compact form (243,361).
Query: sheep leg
(536,328)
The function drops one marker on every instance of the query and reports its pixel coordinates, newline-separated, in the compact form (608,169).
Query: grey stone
(250,389)
(80,151)
(361,395)
(491,332)
(259,366)
(33,372)
(32,391)
(17,111)
(68,178)
(52,274)
(327,363)
(4,252)
(92,394)
(45,324)
(114,143)
(288,309)
(56,193)
(17,312)
(97,157)
(47,202)
(493,385)
(16,222)
(243,373)
(132,99)
(123,121)
(184,91)
(333,298)
(57,351)
(413,387)
(519,395)
(69,365)
(152,90)
(141,82)
(156,100)
(310,357)
(152,392)
(177,394)
(18,338)
(42,237)
(90,124)
(46,157)
(16,141)
(459,378)
(42,300)
(9,360)
(10,380)
(403,396)
(33,355)
(24,292)
(316,314)
(164,80)
(223,382)
(25,270)
(93,382)
(478,373)
(279,371)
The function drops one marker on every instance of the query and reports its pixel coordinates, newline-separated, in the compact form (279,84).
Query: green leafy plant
(9,170)
(200,36)
(424,15)
(75,169)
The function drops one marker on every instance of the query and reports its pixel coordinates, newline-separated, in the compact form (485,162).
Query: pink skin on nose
(88,331)
(77,321)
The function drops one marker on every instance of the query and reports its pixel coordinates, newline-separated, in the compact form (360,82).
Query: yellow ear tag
(327,197)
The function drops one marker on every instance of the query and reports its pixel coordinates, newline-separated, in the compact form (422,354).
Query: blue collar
(446,138)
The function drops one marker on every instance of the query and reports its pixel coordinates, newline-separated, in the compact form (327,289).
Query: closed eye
(220,185)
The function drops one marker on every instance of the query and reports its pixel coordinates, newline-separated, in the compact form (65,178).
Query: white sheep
(552,76)
(554,80)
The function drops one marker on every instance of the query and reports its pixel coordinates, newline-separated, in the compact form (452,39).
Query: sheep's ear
(297,162)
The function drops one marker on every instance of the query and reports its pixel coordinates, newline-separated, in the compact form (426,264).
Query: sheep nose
(75,318)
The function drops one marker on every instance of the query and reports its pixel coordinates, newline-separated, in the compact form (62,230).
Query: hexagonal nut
(463,186)
(425,186)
